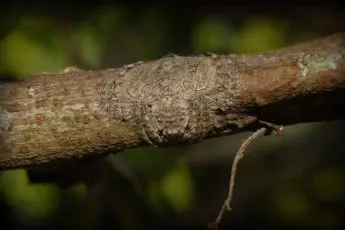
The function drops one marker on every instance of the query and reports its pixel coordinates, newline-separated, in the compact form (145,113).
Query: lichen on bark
(4,120)
(321,62)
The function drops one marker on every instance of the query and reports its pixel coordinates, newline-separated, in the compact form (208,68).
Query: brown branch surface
(173,100)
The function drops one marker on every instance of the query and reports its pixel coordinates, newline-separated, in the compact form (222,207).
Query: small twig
(239,155)
(277,129)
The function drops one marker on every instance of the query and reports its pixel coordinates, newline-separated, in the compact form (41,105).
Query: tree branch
(173,100)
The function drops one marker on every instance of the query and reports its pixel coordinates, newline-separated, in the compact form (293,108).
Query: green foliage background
(174,185)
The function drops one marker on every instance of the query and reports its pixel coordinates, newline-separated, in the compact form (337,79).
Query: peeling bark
(173,100)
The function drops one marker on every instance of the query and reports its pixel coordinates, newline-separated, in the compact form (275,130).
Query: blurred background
(296,181)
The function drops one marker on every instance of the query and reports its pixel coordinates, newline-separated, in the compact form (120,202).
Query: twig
(276,129)
(239,155)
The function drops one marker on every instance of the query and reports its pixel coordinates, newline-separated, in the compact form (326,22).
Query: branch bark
(74,114)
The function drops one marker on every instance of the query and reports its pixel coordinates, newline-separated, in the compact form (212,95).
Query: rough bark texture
(169,101)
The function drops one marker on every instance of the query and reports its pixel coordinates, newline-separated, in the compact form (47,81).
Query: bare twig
(239,155)
(276,129)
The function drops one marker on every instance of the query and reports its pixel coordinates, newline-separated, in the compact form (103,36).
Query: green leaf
(32,200)
(259,34)
(178,188)
(212,35)
(89,44)
(19,54)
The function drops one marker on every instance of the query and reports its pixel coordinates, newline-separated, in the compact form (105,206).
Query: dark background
(296,181)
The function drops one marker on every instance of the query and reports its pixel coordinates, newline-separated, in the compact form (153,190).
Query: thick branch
(172,100)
